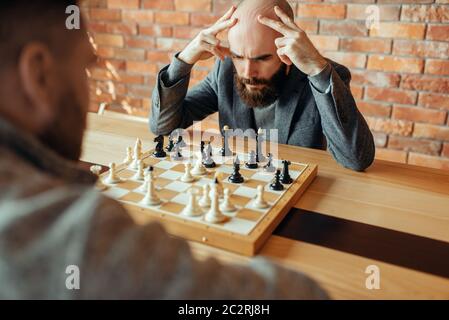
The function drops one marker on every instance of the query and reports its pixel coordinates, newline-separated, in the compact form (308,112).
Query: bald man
(270,76)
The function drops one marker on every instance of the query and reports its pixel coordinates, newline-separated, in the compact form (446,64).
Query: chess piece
(252,163)
(225,151)
(236,176)
(217,184)
(99,185)
(169,147)
(192,209)
(209,149)
(151,198)
(202,145)
(159,149)
(176,153)
(276,185)
(198,169)
(129,155)
(181,142)
(112,177)
(204,202)
(269,167)
(214,215)
(208,162)
(285,175)
(227,205)
(139,174)
(137,155)
(187,177)
(259,202)
(259,140)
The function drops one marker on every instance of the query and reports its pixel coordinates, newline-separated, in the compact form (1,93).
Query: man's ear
(38,77)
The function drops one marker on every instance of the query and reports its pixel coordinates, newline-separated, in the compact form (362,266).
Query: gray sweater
(315,112)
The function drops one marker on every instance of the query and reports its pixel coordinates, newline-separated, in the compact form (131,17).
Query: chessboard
(244,231)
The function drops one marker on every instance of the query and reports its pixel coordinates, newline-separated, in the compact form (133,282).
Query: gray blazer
(305,115)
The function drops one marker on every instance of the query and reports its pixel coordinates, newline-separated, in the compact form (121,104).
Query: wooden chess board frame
(248,245)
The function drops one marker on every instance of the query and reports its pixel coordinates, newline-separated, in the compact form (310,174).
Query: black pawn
(171,144)
(285,175)
(236,176)
(159,149)
(276,185)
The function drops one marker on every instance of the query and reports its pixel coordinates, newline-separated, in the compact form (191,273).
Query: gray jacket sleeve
(349,138)
(173,105)
(129,261)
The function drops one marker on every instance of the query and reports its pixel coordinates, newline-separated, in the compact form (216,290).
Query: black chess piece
(236,176)
(202,145)
(276,185)
(285,175)
(171,144)
(159,149)
(252,163)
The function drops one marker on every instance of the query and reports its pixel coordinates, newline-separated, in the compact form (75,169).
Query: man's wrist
(319,67)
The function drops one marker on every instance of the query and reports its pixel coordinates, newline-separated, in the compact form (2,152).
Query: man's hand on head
(294,47)
(206,44)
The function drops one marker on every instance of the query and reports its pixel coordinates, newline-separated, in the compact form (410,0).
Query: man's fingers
(227,15)
(284,17)
(275,25)
(281,52)
(280,42)
(212,49)
(218,27)
(210,39)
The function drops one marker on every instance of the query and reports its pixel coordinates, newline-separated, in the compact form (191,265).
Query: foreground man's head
(44,89)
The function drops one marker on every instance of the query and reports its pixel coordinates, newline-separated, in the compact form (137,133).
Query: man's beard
(265,96)
(65,135)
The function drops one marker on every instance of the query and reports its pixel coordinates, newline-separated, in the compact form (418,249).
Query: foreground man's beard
(267,94)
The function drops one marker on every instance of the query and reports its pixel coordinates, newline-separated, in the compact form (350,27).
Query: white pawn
(192,209)
(204,202)
(137,155)
(259,202)
(187,177)
(140,174)
(129,155)
(151,198)
(100,186)
(198,169)
(214,214)
(112,177)
(227,206)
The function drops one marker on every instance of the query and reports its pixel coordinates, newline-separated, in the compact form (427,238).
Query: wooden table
(394,216)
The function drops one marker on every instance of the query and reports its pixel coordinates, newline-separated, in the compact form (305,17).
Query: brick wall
(400,69)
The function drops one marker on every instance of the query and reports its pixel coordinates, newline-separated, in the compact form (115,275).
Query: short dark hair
(23,21)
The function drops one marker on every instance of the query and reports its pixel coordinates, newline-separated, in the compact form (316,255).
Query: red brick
(425,83)
(395,64)
(366,45)
(376,79)
(99,74)
(417,114)
(185,32)
(414,145)
(404,1)
(425,13)
(357,91)
(391,155)
(136,91)
(350,60)
(123,4)
(445,152)
(112,40)
(440,67)
(327,11)
(155,31)
(428,161)
(158,4)
(438,32)
(431,131)
(391,95)
(167,44)
(434,100)
(308,25)
(97,27)
(203,19)
(172,18)
(325,42)
(399,30)
(193,5)
(141,67)
(424,49)
(105,14)
(140,16)
(386,12)
(390,126)
(130,79)
(123,28)
(343,28)
(158,56)
(375,109)
(94,4)
(140,42)
(129,54)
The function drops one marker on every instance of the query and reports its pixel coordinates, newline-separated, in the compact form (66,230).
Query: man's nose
(249,70)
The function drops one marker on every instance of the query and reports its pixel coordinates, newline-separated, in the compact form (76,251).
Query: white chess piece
(227,205)
(140,174)
(112,177)
(137,155)
(99,185)
(151,198)
(214,215)
(204,202)
(192,209)
(187,177)
(129,155)
(147,176)
(198,169)
(259,202)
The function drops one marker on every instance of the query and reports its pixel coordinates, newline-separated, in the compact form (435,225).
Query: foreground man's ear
(38,79)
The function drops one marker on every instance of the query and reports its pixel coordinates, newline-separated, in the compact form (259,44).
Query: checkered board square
(173,192)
